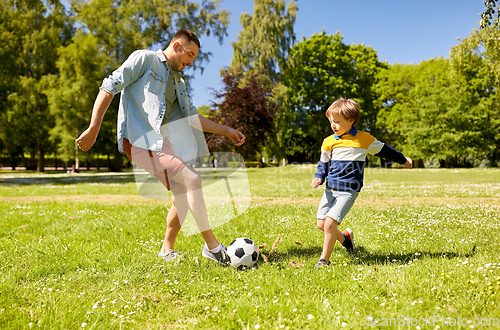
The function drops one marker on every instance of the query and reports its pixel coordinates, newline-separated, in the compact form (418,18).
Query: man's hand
(315,183)
(89,136)
(236,136)
(87,139)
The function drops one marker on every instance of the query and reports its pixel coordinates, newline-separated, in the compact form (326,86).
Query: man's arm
(212,127)
(89,136)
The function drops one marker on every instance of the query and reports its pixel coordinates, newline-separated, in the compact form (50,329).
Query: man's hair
(347,108)
(188,35)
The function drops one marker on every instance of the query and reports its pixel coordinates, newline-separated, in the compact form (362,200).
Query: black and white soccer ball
(243,253)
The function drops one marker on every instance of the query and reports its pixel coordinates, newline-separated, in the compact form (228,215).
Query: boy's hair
(187,35)
(347,108)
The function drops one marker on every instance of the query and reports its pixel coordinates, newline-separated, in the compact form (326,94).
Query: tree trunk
(41,159)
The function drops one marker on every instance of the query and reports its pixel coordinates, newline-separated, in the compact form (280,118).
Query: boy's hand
(409,163)
(315,182)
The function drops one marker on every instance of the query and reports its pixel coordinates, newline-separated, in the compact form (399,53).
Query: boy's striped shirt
(343,159)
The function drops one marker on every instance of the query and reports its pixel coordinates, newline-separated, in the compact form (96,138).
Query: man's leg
(173,228)
(193,197)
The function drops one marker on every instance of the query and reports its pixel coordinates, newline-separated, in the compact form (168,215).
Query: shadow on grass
(367,257)
(293,253)
(363,256)
(67,179)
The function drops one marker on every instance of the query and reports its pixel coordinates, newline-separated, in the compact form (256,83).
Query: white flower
(84,325)
(309,316)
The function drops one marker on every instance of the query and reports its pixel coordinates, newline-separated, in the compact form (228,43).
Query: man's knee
(192,179)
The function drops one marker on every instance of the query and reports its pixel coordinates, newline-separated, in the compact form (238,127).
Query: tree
(109,32)
(318,71)
(33,31)
(266,38)
(247,105)
(81,70)
(491,15)
(263,45)
(430,112)
(477,61)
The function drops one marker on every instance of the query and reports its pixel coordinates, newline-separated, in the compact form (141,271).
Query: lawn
(80,251)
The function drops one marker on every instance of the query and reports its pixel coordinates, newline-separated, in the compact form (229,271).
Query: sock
(345,239)
(216,249)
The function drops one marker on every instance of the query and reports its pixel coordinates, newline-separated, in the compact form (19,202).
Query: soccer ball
(243,253)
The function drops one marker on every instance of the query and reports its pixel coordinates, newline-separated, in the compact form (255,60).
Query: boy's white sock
(216,249)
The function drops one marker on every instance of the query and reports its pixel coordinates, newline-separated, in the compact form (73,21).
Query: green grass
(428,248)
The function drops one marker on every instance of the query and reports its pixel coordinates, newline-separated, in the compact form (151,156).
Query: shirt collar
(161,55)
(353,132)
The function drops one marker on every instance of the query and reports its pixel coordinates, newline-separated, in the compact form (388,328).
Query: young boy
(342,163)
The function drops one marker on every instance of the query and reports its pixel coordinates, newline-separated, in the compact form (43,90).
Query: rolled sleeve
(132,69)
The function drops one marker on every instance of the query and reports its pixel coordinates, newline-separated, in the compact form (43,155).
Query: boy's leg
(321,225)
(332,234)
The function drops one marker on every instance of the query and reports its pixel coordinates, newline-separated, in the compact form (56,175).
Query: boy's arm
(395,156)
(323,167)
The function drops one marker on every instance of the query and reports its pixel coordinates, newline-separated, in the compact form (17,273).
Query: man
(153,95)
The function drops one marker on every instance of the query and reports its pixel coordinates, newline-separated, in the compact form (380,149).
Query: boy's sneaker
(322,262)
(220,257)
(170,255)
(349,239)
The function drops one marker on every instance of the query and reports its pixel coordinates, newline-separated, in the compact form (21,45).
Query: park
(80,250)
(81,226)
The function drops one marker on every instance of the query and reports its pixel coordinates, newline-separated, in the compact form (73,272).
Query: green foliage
(318,71)
(108,33)
(266,38)
(445,109)
(491,14)
(247,106)
(425,108)
(81,69)
(263,46)
(33,30)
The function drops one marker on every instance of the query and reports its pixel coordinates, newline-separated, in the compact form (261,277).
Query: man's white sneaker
(221,257)
(170,255)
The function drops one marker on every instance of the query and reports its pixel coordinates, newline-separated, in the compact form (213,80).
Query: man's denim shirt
(142,81)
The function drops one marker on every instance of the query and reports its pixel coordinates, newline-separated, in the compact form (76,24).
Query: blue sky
(401,31)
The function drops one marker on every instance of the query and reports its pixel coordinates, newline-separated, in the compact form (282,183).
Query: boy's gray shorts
(335,204)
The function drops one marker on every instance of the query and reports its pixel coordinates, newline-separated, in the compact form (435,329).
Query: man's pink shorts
(163,164)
